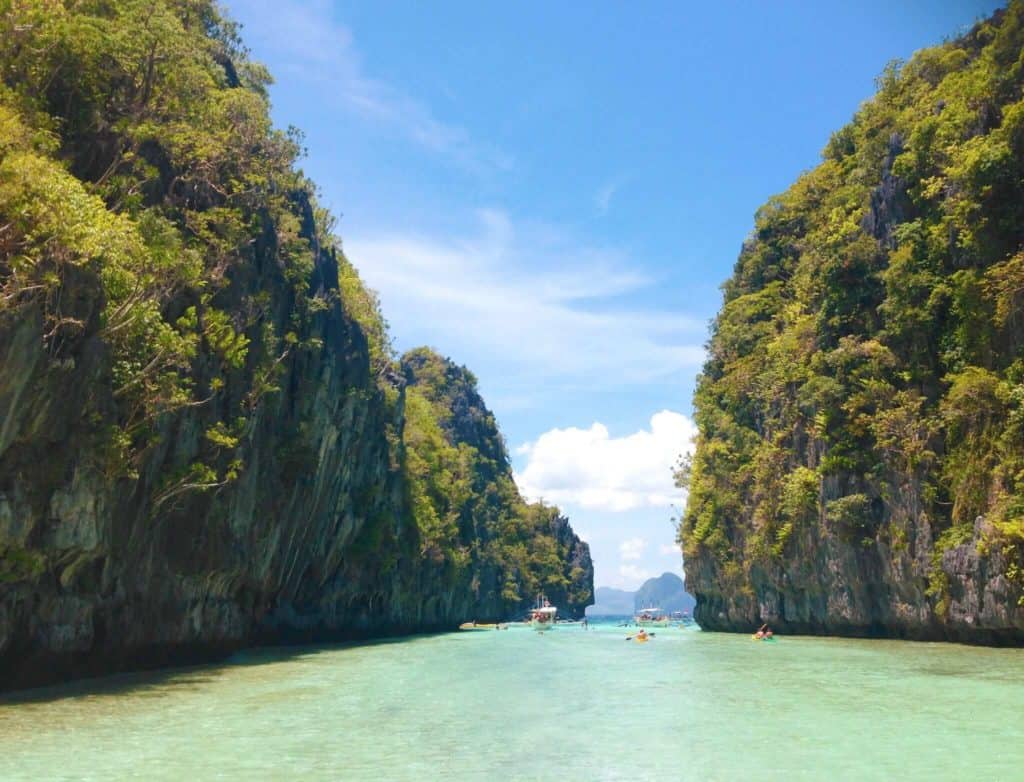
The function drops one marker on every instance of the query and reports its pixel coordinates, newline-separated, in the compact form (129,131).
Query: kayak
(640,640)
(475,626)
(767,640)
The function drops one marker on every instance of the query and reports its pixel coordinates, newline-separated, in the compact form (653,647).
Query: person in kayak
(763,632)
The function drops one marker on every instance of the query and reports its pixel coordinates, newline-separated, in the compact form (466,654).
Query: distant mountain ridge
(667,591)
(609,601)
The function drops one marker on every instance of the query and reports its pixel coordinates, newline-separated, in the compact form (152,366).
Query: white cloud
(632,548)
(670,549)
(305,36)
(589,467)
(528,293)
(632,576)
(603,197)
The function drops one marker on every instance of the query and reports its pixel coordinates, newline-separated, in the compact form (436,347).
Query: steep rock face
(105,575)
(314,540)
(466,418)
(859,464)
(201,426)
(509,550)
(832,587)
(576,590)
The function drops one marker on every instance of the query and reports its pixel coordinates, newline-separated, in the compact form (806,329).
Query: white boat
(542,616)
(651,617)
(682,618)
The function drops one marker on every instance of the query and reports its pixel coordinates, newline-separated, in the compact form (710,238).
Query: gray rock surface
(834,587)
(313,541)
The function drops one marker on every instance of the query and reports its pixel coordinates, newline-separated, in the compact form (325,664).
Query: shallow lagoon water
(567,705)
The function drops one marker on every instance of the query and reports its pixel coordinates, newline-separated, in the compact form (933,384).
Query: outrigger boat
(542,616)
(483,626)
(651,617)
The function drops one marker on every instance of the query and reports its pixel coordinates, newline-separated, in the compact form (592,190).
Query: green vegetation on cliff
(136,150)
(864,386)
(467,507)
(201,414)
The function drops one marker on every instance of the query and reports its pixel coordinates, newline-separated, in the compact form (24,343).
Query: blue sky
(552,193)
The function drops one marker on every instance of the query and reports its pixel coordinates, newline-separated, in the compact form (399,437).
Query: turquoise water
(567,705)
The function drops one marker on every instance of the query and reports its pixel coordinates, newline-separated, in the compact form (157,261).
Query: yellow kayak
(477,626)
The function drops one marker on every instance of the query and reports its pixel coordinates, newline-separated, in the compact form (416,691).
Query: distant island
(609,601)
(667,591)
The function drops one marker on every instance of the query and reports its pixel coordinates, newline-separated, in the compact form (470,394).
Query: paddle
(631,637)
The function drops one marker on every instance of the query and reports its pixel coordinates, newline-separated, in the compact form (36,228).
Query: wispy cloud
(591,469)
(604,195)
(632,548)
(632,576)
(306,37)
(547,305)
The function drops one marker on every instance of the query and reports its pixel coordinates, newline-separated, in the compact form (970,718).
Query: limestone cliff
(860,463)
(511,551)
(202,432)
